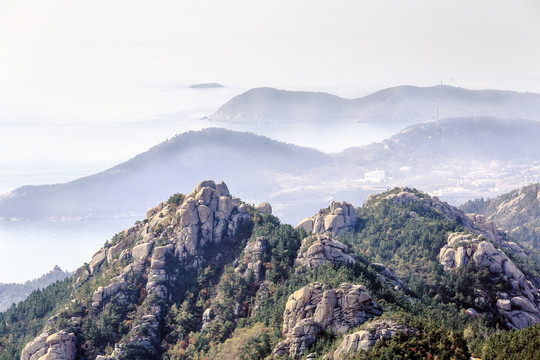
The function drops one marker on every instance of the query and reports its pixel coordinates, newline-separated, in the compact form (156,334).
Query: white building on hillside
(377,176)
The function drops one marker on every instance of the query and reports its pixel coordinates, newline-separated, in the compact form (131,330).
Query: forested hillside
(206,276)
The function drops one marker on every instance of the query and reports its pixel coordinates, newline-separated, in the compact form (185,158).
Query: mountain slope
(481,138)
(246,160)
(518,212)
(403,104)
(458,158)
(207,276)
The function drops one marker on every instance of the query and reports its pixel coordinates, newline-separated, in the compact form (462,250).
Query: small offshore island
(206,86)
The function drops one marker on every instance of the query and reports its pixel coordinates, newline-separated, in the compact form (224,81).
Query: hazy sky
(68,63)
(63,46)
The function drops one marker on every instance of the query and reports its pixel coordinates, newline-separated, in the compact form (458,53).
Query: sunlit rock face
(341,216)
(175,233)
(317,307)
(519,303)
(318,250)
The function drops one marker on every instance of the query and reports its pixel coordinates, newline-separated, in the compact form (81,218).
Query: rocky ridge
(317,308)
(477,224)
(518,212)
(173,233)
(148,265)
(519,303)
(338,217)
(481,243)
(319,249)
(367,338)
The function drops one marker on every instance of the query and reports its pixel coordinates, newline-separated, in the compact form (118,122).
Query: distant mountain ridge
(13,293)
(402,104)
(128,189)
(483,137)
(474,155)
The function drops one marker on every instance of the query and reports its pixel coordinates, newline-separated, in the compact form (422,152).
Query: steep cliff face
(316,308)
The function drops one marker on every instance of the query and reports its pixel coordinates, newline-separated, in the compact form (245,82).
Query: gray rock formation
(172,234)
(57,346)
(366,339)
(520,304)
(316,308)
(318,250)
(264,208)
(341,216)
(476,224)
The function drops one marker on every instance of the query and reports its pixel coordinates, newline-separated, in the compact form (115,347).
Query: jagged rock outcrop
(340,216)
(174,234)
(520,303)
(318,250)
(367,338)
(517,212)
(317,307)
(35,348)
(57,346)
(490,230)
(207,215)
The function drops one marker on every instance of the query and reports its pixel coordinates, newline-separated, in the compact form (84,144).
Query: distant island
(206,86)
(402,104)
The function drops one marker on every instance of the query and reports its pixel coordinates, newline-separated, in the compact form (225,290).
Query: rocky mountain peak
(174,232)
(320,249)
(333,220)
